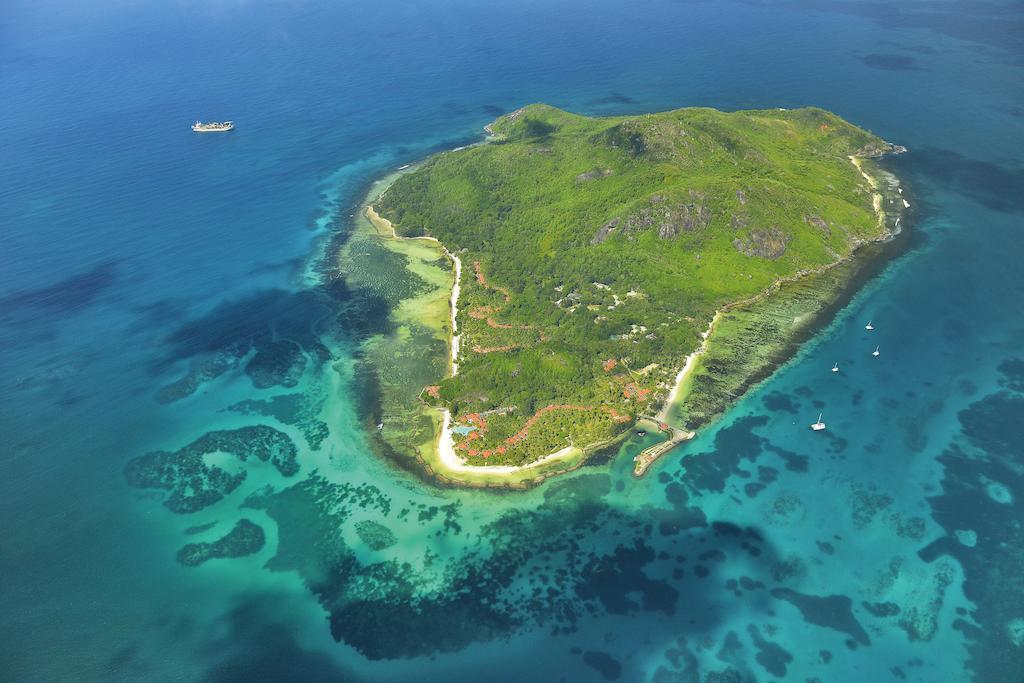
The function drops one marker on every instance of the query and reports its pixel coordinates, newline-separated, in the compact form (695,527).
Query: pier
(647,456)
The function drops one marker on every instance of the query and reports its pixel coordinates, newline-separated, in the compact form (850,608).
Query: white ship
(819,425)
(213,126)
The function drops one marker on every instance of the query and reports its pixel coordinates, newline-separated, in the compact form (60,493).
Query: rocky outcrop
(605,231)
(767,243)
(594,174)
(819,223)
(671,218)
(874,150)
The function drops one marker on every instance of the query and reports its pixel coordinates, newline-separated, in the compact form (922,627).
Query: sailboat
(869,326)
(819,425)
(835,368)
(876,352)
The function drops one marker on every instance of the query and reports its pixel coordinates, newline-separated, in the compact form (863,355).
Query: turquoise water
(162,291)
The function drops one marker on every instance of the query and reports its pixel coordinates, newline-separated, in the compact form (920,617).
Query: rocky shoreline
(813,298)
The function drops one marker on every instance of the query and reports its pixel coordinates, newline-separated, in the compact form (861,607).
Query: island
(577,281)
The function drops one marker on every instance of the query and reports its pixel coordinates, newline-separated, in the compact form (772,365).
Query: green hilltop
(596,251)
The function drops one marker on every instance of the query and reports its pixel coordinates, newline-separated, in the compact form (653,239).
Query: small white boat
(380,427)
(819,425)
(876,352)
(835,368)
(213,126)
(869,326)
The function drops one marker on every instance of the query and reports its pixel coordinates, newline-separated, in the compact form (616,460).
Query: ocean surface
(161,290)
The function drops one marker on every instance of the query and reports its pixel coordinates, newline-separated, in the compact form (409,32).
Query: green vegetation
(596,251)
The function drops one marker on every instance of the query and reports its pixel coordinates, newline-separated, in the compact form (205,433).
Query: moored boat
(213,126)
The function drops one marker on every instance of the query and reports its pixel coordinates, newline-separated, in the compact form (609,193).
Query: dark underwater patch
(244,539)
(199,528)
(778,402)
(866,503)
(989,24)
(890,62)
(983,488)
(258,639)
(297,410)
(65,296)
(1011,373)
(997,187)
(708,472)
(881,609)
(375,535)
(612,579)
(276,363)
(771,656)
(192,483)
(291,265)
(613,98)
(830,611)
(752,489)
(283,327)
(606,665)
(539,566)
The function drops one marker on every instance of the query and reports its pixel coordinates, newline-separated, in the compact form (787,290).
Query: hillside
(596,251)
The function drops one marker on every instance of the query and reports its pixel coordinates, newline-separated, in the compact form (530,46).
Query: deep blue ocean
(134,253)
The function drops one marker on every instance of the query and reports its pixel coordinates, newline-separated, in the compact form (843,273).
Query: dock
(647,456)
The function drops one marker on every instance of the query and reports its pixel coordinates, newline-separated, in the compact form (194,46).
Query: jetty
(647,456)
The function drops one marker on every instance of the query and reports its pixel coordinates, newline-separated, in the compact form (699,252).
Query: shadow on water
(285,330)
(66,296)
(990,24)
(271,648)
(997,187)
(887,62)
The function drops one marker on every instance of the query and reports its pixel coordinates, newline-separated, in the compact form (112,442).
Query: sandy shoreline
(446,443)
(691,361)
(378,221)
(451,460)
(877,201)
